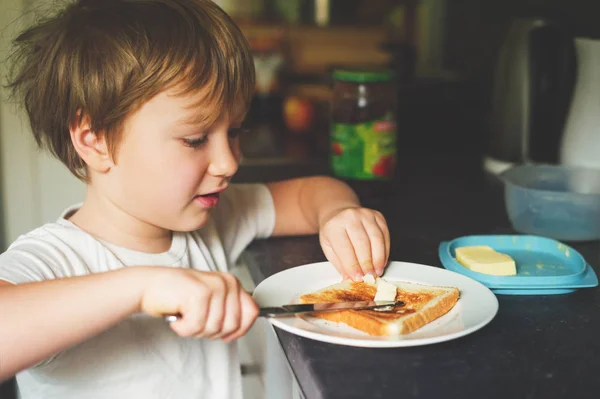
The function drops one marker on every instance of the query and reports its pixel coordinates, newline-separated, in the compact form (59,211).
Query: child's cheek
(190,177)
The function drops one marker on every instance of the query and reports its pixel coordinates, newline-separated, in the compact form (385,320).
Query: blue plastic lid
(544,265)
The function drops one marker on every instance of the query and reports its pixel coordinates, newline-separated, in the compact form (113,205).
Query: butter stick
(483,259)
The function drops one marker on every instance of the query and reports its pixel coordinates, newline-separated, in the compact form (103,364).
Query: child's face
(166,167)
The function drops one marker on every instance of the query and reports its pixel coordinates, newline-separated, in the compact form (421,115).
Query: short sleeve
(41,255)
(245,212)
(28,262)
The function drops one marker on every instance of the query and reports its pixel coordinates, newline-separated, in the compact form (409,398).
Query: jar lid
(363,76)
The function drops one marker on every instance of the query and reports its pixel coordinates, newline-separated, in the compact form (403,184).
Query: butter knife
(294,309)
(290,310)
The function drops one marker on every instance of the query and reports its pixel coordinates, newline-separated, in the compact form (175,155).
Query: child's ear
(91,146)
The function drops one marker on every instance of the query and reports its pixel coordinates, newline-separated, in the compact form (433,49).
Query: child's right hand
(212,305)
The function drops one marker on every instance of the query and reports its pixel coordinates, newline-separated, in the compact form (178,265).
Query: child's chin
(189,225)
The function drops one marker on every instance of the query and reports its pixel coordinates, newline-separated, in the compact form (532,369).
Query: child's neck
(107,222)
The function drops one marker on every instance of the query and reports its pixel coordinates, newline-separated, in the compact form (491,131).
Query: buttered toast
(423,304)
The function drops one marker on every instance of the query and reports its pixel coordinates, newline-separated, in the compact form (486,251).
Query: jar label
(364,151)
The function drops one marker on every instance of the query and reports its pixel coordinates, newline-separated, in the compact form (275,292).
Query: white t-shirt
(141,357)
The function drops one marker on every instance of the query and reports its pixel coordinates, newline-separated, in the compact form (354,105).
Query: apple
(298,114)
(337,149)
(384,167)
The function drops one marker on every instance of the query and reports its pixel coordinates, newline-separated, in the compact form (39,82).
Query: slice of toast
(423,304)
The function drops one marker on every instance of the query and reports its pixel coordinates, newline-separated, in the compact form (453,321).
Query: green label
(364,151)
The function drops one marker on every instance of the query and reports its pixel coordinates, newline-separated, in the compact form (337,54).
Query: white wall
(35,188)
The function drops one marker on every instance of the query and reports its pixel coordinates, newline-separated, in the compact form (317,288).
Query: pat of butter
(385,291)
(369,279)
(484,259)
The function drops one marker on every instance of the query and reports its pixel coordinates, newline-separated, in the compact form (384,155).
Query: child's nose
(224,160)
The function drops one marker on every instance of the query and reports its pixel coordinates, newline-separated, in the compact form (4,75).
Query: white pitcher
(581,138)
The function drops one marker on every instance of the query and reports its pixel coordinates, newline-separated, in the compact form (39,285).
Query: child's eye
(236,132)
(195,143)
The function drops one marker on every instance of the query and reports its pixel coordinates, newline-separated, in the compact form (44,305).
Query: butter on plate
(385,291)
(483,259)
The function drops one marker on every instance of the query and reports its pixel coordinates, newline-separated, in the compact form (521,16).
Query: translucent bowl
(554,201)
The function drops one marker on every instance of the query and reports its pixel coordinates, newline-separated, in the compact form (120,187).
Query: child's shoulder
(54,250)
(59,232)
(55,243)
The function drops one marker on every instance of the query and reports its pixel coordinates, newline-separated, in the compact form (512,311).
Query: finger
(216,313)
(233,314)
(361,243)
(378,250)
(333,258)
(249,311)
(345,252)
(386,235)
(193,316)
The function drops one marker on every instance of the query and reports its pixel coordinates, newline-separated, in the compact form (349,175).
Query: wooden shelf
(312,49)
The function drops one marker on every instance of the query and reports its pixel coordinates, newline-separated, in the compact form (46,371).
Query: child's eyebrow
(199,117)
(204,121)
(191,124)
(197,120)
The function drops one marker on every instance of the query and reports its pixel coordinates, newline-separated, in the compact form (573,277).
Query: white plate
(476,307)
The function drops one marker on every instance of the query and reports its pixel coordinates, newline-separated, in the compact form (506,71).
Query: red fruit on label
(384,167)
(337,149)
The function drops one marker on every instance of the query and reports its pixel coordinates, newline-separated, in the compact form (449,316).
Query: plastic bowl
(554,201)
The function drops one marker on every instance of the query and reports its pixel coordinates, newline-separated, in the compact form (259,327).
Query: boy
(143,100)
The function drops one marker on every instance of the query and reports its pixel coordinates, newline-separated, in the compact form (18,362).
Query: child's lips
(207,200)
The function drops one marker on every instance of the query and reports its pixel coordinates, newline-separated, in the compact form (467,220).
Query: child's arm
(41,319)
(355,239)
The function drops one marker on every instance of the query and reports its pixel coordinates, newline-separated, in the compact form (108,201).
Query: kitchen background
(443,53)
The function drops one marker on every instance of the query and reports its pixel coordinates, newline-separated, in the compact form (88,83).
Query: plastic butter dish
(544,266)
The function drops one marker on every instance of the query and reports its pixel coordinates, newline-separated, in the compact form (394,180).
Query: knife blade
(289,310)
(294,309)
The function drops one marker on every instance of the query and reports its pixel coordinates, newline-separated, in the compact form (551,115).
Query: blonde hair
(105,58)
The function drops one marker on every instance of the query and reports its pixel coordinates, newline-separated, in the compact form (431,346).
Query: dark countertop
(536,347)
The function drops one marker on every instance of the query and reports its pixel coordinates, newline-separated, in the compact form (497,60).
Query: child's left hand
(357,242)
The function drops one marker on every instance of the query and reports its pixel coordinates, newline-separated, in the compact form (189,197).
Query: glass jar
(363,130)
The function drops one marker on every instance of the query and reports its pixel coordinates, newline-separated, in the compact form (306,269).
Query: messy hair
(105,58)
